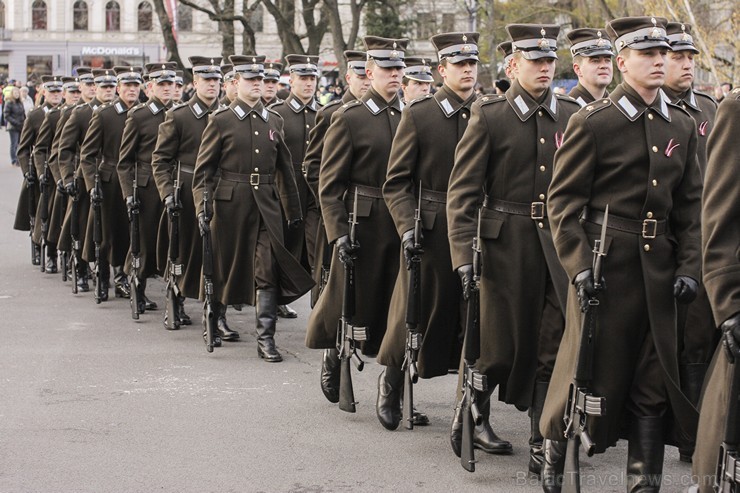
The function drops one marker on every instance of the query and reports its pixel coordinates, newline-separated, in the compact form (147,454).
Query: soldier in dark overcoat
(417,78)
(245,167)
(634,152)
(273,71)
(229,85)
(592,54)
(504,161)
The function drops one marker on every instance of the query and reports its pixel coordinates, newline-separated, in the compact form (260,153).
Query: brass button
(254,116)
(655,148)
(542,140)
(542,196)
(464,115)
(540,225)
(393,113)
(256,187)
(650,215)
(650,116)
(539,113)
(305,111)
(308,126)
(256,151)
(646,248)
(542,168)
(655,183)
(256,169)
(306,142)
(256,132)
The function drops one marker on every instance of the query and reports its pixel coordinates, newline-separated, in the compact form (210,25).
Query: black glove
(43,179)
(60,187)
(409,250)
(172,207)
(585,287)
(684,289)
(731,336)
(294,223)
(96,195)
(346,250)
(131,206)
(71,189)
(30,178)
(203,224)
(466,276)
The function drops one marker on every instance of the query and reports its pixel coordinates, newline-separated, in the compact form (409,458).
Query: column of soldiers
(381,202)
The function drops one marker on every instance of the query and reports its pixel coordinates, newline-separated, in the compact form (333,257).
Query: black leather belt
(535,210)
(253,179)
(647,228)
(432,196)
(365,191)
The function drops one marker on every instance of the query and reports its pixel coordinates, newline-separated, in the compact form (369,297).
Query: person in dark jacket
(14,116)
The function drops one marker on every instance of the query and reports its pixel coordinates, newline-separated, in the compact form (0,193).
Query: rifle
(173,268)
(32,204)
(582,404)
(413,314)
(728,464)
(348,335)
(135,248)
(44,211)
(473,380)
(210,318)
(97,205)
(74,233)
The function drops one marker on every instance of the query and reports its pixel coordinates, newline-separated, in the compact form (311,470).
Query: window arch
(79,15)
(184,18)
(38,15)
(112,16)
(144,16)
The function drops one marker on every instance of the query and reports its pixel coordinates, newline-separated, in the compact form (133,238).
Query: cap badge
(465,38)
(163,66)
(255,67)
(601,42)
(466,49)
(394,53)
(254,60)
(308,60)
(543,43)
(212,62)
(685,36)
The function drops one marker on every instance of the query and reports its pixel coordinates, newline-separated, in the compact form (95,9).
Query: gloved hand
(95,195)
(731,336)
(60,187)
(71,189)
(685,289)
(172,207)
(409,250)
(43,179)
(346,250)
(204,224)
(586,288)
(30,178)
(131,206)
(466,276)
(294,223)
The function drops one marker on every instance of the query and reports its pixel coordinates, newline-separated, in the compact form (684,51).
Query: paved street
(93,401)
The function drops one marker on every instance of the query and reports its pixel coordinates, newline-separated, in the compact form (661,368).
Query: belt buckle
(254,179)
(649,229)
(537,211)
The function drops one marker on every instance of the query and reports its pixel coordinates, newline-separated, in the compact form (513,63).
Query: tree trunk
(173,54)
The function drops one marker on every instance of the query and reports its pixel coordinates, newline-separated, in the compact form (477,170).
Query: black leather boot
(285,311)
(553,463)
(36,260)
(535,438)
(484,438)
(184,317)
(456,431)
(122,289)
(51,265)
(266,321)
(224,332)
(330,375)
(388,404)
(83,284)
(645,455)
(104,281)
(692,380)
(148,304)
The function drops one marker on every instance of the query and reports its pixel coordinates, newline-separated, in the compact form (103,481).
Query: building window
(38,65)
(112,16)
(448,23)
(426,25)
(79,15)
(184,18)
(255,20)
(145,16)
(38,15)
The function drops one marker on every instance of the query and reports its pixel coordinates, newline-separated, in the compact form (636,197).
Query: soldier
(504,161)
(697,334)
(244,143)
(174,155)
(134,161)
(721,238)
(68,151)
(634,152)
(592,55)
(99,155)
(270,83)
(229,85)
(178,88)
(417,78)
(423,152)
(354,163)
(505,49)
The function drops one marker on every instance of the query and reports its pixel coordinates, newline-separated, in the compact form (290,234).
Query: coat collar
(688,98)
(632,105)
(94,103)
(450,103)
(297,105)
(155,105)
(376,103)
(242,109)
(525,106)
(120,107)
(348,97)
(199,108)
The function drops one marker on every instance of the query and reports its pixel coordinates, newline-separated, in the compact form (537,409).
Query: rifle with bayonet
(348,335)
(413,315)
(174,270)
(135,247)
(31,185)
(474,382)
(582,404)
(45,186)
(96,202)
(210,317)
(728,464)
(74,233)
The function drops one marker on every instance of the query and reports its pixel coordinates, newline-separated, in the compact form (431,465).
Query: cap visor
(646,45)
(462,58)
(536,54)
(210,75)
(597,53)
(420,77)
(685,48)
(390,63)
(251,75)
(358,71)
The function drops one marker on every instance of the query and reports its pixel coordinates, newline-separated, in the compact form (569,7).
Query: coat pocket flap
(427,219)
(105,174)
(364,206)
(490,227)
(224,191)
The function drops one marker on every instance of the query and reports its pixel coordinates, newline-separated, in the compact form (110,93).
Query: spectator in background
(32,89)
(14,115)
(501,86)
(26,99)
(721,91)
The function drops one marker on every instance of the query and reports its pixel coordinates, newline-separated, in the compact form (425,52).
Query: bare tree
(339,43)
(284,13)
(169,37)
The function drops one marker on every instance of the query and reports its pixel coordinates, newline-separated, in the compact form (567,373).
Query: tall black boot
(104,280)
(330,374)
(83,277)
(692,380)
(224,331)
(36,260)
(122,289)
(553,463)
(535,438)
(484,438)
(645,455)
(266,320)
(184,317)
(388,404)
(148,304)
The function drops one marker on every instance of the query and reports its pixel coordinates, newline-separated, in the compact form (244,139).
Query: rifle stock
(44,212)
(74,233)
(209,316)
(135,249)
(174,270)
(31,207)
(97,204)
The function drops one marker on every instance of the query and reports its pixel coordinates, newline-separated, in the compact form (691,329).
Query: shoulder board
(490,98)
(331,103)
(565,97)
(137,107)
(595,107)
(220,109)
(706,96)
(179,106)
(276,104)
(105,105)
(423,98)
(350,105)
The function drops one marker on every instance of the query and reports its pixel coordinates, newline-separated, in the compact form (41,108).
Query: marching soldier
(634,152)
(697,334)
(178,88)
(354,163)
(417,78)
(505,49)
(229,85)
(721,238)
(134,162)
(174,155)
(273,70)
(99,154)
(423,153)
(592,54)
(504,161)
(244,166)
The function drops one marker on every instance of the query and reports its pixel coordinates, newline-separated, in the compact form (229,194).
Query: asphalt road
(93,401)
